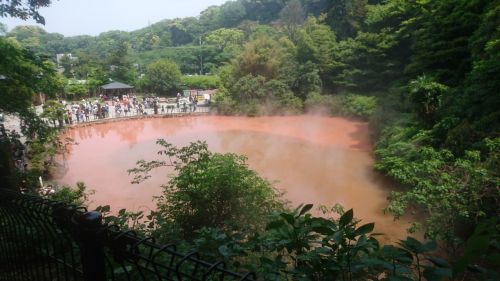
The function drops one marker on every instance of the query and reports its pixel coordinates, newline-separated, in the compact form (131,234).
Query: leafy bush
(162,77)
(324,103)
(350,105)
(253,95)
(279,99)
(451,190)
(224,103)
(426,95)
(210,190)
(226,213)
(299,246)
(75,196)
(76,91)
(359,106)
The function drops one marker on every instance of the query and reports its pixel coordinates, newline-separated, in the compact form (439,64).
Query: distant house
(69,55)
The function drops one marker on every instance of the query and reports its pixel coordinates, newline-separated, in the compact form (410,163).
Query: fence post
(91,247)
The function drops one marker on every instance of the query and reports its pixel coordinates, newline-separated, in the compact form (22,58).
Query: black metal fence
(42,240)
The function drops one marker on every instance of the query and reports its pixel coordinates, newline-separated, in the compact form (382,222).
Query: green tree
(263,11)
(231,13)
(224,37)
(163,77)
(263,56)
(366,62)
(315,44)
(67,64)
(120,67)
(432,26)
(75,90)
(308,80)
(481,101)
(451,191)
(30,37)
(95,77)
(24,9)
(346,17)
(227,43)
(426,95)
(23,74)
(210,190)
(210,18)
(54,111)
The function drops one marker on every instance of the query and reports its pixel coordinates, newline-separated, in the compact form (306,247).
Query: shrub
(76,196)
(350,105)
(210,190)
(359,106)
(224,103)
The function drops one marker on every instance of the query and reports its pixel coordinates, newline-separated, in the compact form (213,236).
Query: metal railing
(41,239)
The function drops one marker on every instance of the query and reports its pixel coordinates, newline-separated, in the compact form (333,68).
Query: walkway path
(169,109)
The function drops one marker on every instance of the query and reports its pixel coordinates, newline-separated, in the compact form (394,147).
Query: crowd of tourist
(104,107)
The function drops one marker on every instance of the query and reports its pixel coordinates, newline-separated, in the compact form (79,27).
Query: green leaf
(429,246)
(346,218)
(475,247)
(224,251)
(437,274)
(412,245)
(367,228)
(288,217)
(323,230)
(439,262)
(275,225)
(305,209)
(103,209)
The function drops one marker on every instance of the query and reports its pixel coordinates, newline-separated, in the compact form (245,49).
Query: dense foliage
(210,190)
(227,212)
(424,73)
(22,76)
(23,9)
(162,77)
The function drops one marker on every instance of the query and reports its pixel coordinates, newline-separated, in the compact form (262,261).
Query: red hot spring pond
(319,160)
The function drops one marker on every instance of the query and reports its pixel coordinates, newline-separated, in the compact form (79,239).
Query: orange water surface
(319,160)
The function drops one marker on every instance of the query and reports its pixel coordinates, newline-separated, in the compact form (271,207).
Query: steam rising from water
(313,159)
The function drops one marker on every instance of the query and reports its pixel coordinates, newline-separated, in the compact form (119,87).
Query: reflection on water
(313,159)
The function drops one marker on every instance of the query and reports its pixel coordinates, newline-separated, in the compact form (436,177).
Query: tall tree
(292,16)
(24,9)
(22,75)
(263,11)
(227,43)
(163,77)
(346,17)
(232,13)
(440,31)
(120,67)
(315,44)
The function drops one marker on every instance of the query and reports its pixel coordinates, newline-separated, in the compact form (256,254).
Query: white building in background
(69,55)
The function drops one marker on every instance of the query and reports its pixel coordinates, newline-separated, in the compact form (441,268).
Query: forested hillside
(425,74)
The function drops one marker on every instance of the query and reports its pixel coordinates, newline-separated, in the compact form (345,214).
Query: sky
(91,17)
